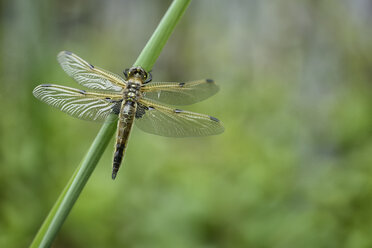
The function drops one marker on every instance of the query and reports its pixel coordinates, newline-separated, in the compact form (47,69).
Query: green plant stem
(161,34)
(71,192)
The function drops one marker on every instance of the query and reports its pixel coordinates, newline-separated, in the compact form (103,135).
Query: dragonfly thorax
(132,91)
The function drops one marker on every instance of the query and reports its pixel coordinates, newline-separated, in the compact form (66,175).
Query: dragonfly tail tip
(114,175)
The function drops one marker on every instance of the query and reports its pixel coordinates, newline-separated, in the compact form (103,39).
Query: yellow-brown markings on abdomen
(125,123)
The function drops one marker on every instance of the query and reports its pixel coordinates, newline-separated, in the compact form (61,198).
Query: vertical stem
(71,192)
(161,34)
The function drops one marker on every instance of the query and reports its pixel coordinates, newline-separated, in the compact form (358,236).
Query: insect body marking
(125,123)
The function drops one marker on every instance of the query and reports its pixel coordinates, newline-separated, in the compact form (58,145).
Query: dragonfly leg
(126,73)
(149,78)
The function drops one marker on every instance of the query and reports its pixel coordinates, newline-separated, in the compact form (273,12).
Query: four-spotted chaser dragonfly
(133,99)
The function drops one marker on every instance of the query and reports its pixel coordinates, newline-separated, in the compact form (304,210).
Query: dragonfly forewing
(88,75)
(183,93)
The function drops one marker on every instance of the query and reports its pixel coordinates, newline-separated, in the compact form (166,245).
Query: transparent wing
(88,75)
(157,119)
(180,93)
(79,103)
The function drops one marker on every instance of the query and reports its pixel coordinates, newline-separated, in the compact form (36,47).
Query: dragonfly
(134,99)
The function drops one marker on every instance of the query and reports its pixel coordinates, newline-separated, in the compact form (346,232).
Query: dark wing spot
(82,92)
(150,108)
(108,99)
(116,108)
(46,85)
(68,52)
(181,84)
(209,80)
(139,113)
(91,66)
(141,110)
(214,119)
(178,111)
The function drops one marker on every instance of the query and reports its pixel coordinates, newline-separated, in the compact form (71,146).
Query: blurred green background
(292,169)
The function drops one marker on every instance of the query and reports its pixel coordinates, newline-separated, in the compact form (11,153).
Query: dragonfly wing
(158,119)
(88,75)
(180,93)
(79,103)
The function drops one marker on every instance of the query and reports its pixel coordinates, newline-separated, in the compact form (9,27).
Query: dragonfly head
(137,72)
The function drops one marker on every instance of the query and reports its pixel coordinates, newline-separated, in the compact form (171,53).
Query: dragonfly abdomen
(125,123)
